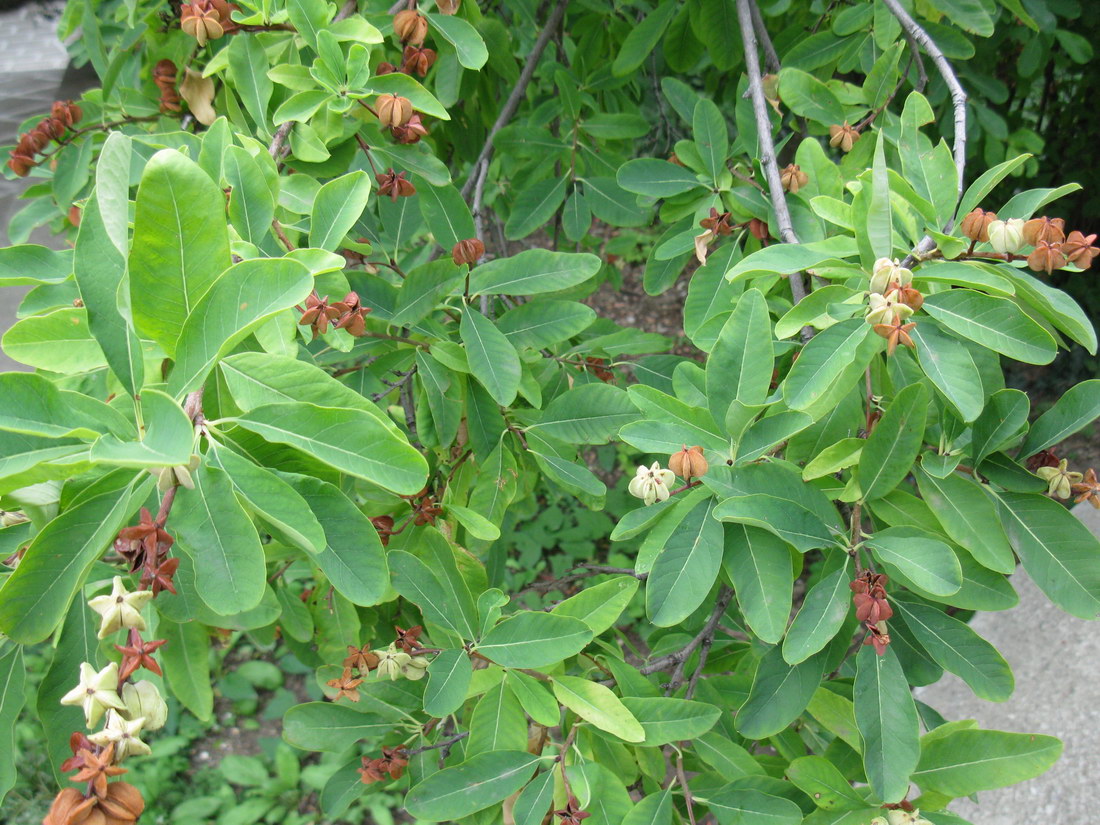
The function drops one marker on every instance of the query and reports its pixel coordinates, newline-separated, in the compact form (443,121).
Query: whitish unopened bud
(1006,236)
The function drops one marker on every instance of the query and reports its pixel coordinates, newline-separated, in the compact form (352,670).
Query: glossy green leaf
(950,366)
(493,360)
(464,789)
(823,782)
(740,365)
(993,322)
(741,806)
(686,569)
(597,705)
(168,441)
(1004,416)
(887,720)
(12,697)
(588,414)
(805,95)
(326,726)
(892,447)
(417,582)
(533,271)
(533,640)
(600,606)
(819,619)
(967,761)
(213,528)
(666,719)
(59,341)
(468,44)
(780,693)
(186,662)
(535,206)
(180,247)
(968,517)
(923,558)
(330,434)
(759,565)
(1058,552)
(655,178)
(957,648)
(337,207)
(448,679)
(541,323)
(243,298)
(537,701)
(783,517)
(1076,409)
(828,362)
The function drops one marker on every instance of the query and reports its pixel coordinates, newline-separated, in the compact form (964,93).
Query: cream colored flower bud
(1006,236)
(416,668)
(391,662)
(96,692)
(143,700)
(651,484)
(887,272)
(124,733)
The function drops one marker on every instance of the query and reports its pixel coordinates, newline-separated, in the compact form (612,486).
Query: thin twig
(512,103)
(767,146)
(689,803)
(281,235)
(771,57)
(913,30)
(684,653)
(914,51)
(278,140)
(443,743)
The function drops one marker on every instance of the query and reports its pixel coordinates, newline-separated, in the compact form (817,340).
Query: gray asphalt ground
(1054,656)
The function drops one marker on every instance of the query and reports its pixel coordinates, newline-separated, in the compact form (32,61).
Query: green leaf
(248,65)
(448,680)
(740,364)
(31,264)
(271,498)
(240,301)
(59,341)
(474,785)
(805,95)
(967,761)
(968,517)
(417,582)
(921,557)
(32,405)
(823,782)
(685,570)
(186,662)
(533,271)
(708,129)
(12,697)
(780,693)
(35,596)
(1060,553)
(533,640)
(986,182)
(537,701)
(827,364)
(333,435)
(101,268)
(326,726)
(211,526)
(1004,416)
(1073,411)
(337,207)
(879,215)
(535,801)
(497,723)
(655,809)
(180,247)
(655,178)
(996,323)
(819,619)
(543,322)
(446,214)
(468,44)
(783,517)
(642,39)
(759,565)
(950,366)
(596,704)
(666,719)
(535,206)
(956,647)
(599,606)
(745,806)
(251,200)
(588,414)
(422,290)
(352,557)
(892,447)
(493,360)
(169,437)
(886,716)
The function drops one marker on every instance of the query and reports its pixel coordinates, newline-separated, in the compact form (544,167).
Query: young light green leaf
(337,207)
(600,606)
(596,704)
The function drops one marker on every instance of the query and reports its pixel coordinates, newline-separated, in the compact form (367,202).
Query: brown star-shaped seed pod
(98,768)
(137,654)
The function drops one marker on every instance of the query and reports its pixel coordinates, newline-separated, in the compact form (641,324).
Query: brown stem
(689,803)
(443,743)
(278,140)
(366,149)
(725,594)
(281,235)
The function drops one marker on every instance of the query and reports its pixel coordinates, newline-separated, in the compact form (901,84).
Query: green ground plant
(316,372)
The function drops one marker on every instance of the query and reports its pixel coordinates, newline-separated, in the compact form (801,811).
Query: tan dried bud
(975,225)
(410,26)
(843,137)
(1046,257)
(201,20)
(385,68)
(468,252)
(759,229)
(417,60)
(447,6)
(69,808)
(393,110)
(1047,229)
(793,178)
(411,132)
(1079,249)
(689,463)
(123,802)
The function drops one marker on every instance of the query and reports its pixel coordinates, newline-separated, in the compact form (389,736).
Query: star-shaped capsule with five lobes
(96,692)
